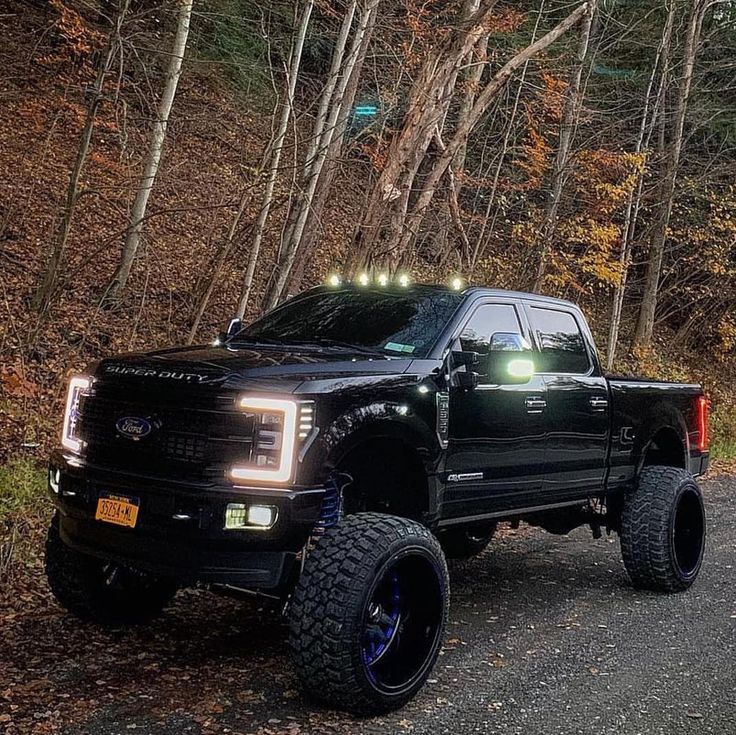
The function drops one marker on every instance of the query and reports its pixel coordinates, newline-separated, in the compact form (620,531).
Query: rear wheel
(369,612)
(663,530)
(99,591)
(464,543)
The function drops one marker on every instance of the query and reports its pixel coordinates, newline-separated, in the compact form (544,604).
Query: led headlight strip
(78,386)
(270,412)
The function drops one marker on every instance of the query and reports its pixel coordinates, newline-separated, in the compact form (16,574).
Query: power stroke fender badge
(133,427)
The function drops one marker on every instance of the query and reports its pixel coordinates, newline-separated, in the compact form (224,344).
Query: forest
(167,165)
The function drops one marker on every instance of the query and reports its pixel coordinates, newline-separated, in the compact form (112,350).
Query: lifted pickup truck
(333,453)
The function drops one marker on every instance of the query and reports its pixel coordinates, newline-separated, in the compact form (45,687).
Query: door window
(561,342)
(488,320)
(492,328)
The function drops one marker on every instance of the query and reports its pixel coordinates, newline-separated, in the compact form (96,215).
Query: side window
(485,322)
(561,342)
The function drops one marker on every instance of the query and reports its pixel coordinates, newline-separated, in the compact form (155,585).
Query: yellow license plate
(117,509)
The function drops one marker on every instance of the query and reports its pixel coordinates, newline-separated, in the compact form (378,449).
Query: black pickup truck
(333,453)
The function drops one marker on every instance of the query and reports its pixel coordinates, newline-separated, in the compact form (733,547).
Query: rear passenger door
(578,411)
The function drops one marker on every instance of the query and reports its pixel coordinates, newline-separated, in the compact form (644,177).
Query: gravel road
(546,636)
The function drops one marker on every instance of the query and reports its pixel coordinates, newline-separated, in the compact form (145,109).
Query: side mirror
(510,360)
(464,359)
(233,328)
(466,379)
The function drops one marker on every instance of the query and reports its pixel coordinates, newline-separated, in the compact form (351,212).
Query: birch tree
(330,111)
(276,152)
(652,110)
(314,225)
(668,182)
(153,160)
(570,114)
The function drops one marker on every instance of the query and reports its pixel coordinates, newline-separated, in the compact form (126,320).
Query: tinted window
(485,322)
(561,342)
(400,324)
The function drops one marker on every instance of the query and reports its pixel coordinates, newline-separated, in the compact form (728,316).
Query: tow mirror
(510,360)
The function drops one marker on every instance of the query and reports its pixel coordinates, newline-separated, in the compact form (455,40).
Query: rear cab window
(562,348)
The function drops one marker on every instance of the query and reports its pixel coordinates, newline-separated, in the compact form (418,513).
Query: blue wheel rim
(384,620)
(403,622)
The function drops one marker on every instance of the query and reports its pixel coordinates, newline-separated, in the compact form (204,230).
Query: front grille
(196,434)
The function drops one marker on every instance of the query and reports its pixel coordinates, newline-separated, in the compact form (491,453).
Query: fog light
(54,479)
(236,515)
(263,516)
(260,517)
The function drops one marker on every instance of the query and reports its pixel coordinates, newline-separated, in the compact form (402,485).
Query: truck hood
(285,367)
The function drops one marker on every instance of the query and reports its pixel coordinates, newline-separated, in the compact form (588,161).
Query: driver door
(497,435)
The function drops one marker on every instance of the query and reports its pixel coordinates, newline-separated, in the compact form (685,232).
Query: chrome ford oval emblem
(133,427)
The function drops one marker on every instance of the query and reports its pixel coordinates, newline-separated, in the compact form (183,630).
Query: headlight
(78,387)
(274,440)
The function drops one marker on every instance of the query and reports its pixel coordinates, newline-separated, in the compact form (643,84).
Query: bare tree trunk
(335,152)
(428,101)
(45,291)
(471,82)
(489,92)
(661,62)
(568,124)
(666,190)
(325,127)
(158,137)
(278,146)
(484,238)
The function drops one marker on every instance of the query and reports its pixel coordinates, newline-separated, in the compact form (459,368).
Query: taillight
(703,409)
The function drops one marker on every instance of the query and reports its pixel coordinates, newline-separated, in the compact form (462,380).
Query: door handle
(598,403)
(535,404)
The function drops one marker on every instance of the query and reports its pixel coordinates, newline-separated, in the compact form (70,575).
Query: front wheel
(663,530)
(102,592)
(369,612)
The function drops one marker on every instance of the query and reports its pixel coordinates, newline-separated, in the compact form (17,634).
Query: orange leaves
(507,20)
(606,178)
(552,97)
(534,162)
(15,383)
(76,40)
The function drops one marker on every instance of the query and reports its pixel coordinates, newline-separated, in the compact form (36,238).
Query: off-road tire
(465,543)
(329,607)
(663,530)
(78,582)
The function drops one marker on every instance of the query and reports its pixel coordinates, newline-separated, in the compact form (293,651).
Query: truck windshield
(396,324)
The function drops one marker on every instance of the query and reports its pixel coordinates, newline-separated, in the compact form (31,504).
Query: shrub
(723,432)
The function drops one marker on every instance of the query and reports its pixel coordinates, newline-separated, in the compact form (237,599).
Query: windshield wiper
(256,340)
(327,342)
(291,342)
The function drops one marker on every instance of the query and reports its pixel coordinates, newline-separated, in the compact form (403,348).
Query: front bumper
(180,528)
